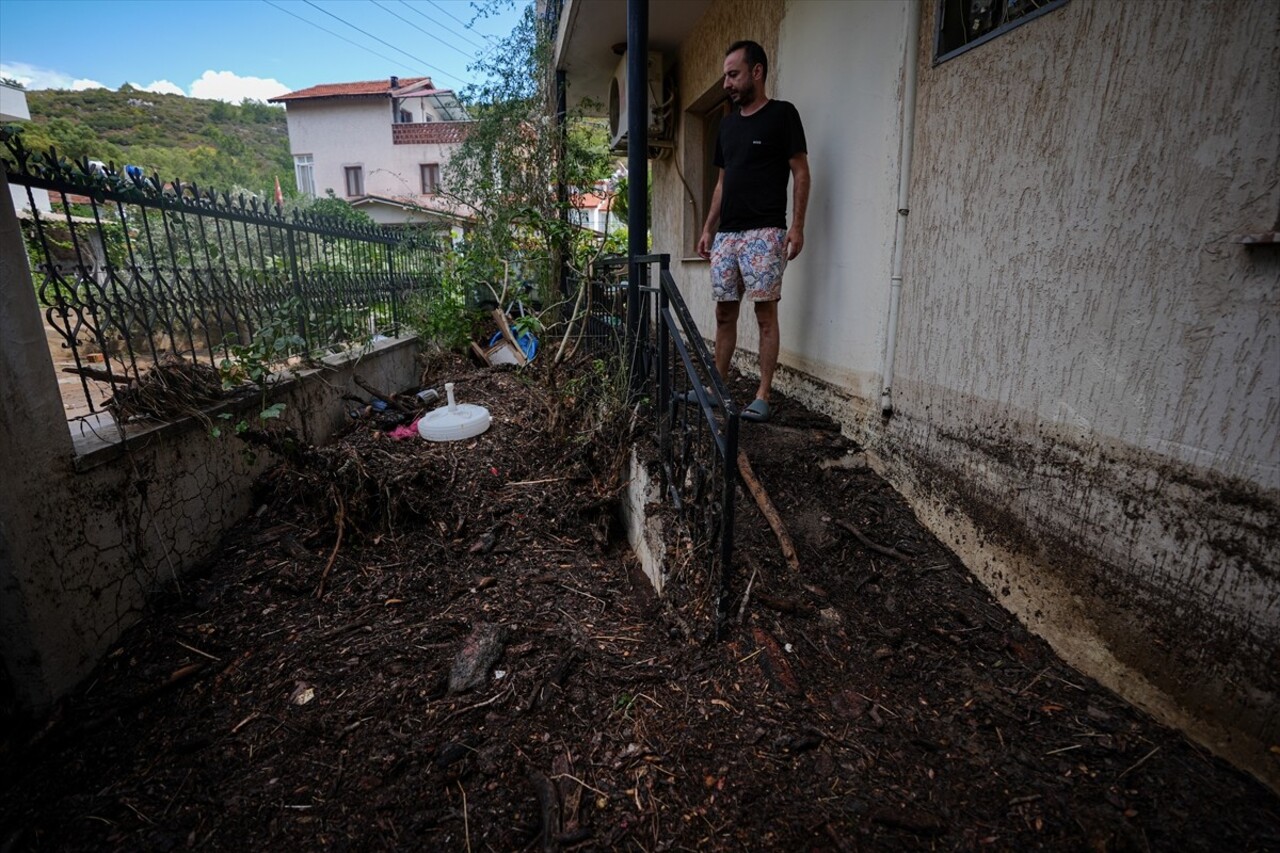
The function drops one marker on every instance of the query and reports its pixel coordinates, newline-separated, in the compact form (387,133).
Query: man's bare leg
(727,336)
(767,320)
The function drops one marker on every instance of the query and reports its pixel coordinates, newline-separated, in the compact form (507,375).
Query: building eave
(589,30)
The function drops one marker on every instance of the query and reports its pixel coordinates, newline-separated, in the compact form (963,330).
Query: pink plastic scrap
(402,432)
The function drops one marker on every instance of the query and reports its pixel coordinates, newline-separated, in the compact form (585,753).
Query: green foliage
(275,340)
(444,315)
(212,143)
(257,361)
(335,208)
(506,171)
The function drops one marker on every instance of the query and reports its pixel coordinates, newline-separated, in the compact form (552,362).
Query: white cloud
(217,85)
(231,87)
(35,77)
(162,87)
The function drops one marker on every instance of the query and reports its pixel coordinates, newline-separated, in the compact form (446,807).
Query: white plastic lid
(454,421)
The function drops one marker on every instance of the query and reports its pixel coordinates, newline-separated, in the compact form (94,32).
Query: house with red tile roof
(382,145)
(593,208)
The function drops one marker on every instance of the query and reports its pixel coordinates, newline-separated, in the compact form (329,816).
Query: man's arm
(799,203)
(713,220)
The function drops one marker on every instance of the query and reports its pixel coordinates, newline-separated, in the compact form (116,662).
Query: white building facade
(382,145)
(13,107)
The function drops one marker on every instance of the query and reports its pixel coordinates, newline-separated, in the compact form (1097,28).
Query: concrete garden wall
(89,528)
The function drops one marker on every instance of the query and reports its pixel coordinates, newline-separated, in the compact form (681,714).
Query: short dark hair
(754,55)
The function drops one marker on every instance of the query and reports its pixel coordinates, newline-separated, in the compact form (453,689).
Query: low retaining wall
(89,527)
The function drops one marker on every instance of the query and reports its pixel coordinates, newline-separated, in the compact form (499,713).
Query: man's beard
(744,96)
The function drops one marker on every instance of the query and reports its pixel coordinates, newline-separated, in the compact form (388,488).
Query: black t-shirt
(755,152)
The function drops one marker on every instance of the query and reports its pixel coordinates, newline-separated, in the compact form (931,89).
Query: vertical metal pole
(637,172)
(663,407)
(562,189)
(297,285)
(395,290)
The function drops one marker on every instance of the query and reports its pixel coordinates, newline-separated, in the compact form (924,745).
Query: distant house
(593,208)
(13,107)
(382,145)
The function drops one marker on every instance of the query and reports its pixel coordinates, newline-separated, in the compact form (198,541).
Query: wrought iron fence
(695,420)
(130,270)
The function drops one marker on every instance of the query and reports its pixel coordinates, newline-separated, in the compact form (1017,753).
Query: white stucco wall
(835,306)
(357,132)
(1088,366)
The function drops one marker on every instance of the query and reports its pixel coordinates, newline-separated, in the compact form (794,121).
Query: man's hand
(794,242)
(704,245)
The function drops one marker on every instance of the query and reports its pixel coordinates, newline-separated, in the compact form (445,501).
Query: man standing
(745,237)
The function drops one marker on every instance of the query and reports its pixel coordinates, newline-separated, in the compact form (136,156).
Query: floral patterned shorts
(748,263)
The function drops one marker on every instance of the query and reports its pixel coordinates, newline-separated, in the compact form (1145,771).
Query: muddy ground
(296,692)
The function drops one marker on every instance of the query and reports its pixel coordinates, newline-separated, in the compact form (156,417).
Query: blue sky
(232,49)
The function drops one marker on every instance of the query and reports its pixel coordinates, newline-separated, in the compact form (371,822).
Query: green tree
(220,111)
(505,172)
(72,140)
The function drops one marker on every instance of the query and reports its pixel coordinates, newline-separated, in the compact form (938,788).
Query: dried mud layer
(476,663)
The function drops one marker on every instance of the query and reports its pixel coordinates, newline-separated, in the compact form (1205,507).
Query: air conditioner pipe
(904,183)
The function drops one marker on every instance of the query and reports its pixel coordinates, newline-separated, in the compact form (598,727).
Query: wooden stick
(770,514)
(342,517)
(867,543)
(500,317)
(387,398)
(99,374)
(746,596)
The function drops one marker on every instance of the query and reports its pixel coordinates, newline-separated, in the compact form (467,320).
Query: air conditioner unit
(618,103)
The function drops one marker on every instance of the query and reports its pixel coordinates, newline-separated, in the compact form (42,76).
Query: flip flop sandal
(758,411)
(691,397)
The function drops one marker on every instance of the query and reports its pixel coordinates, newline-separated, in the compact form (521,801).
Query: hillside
(210,142)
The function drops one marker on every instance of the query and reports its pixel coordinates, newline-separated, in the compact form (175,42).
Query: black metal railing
(131,270)
(695,420)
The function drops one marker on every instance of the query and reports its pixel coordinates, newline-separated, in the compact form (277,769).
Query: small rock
(850,704)
(302,693)
(479,652)
(830,615)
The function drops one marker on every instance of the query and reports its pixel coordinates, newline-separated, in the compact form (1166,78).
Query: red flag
(279,195)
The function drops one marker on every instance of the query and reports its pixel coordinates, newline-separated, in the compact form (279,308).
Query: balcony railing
(694,421)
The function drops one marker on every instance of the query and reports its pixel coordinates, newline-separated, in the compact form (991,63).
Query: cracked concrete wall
(86,538)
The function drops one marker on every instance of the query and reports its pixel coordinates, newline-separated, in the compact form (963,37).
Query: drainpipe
(904,183)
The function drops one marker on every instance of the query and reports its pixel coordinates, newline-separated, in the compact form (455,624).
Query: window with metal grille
(430,178)
(963,24)
(355,180)
(304,174)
